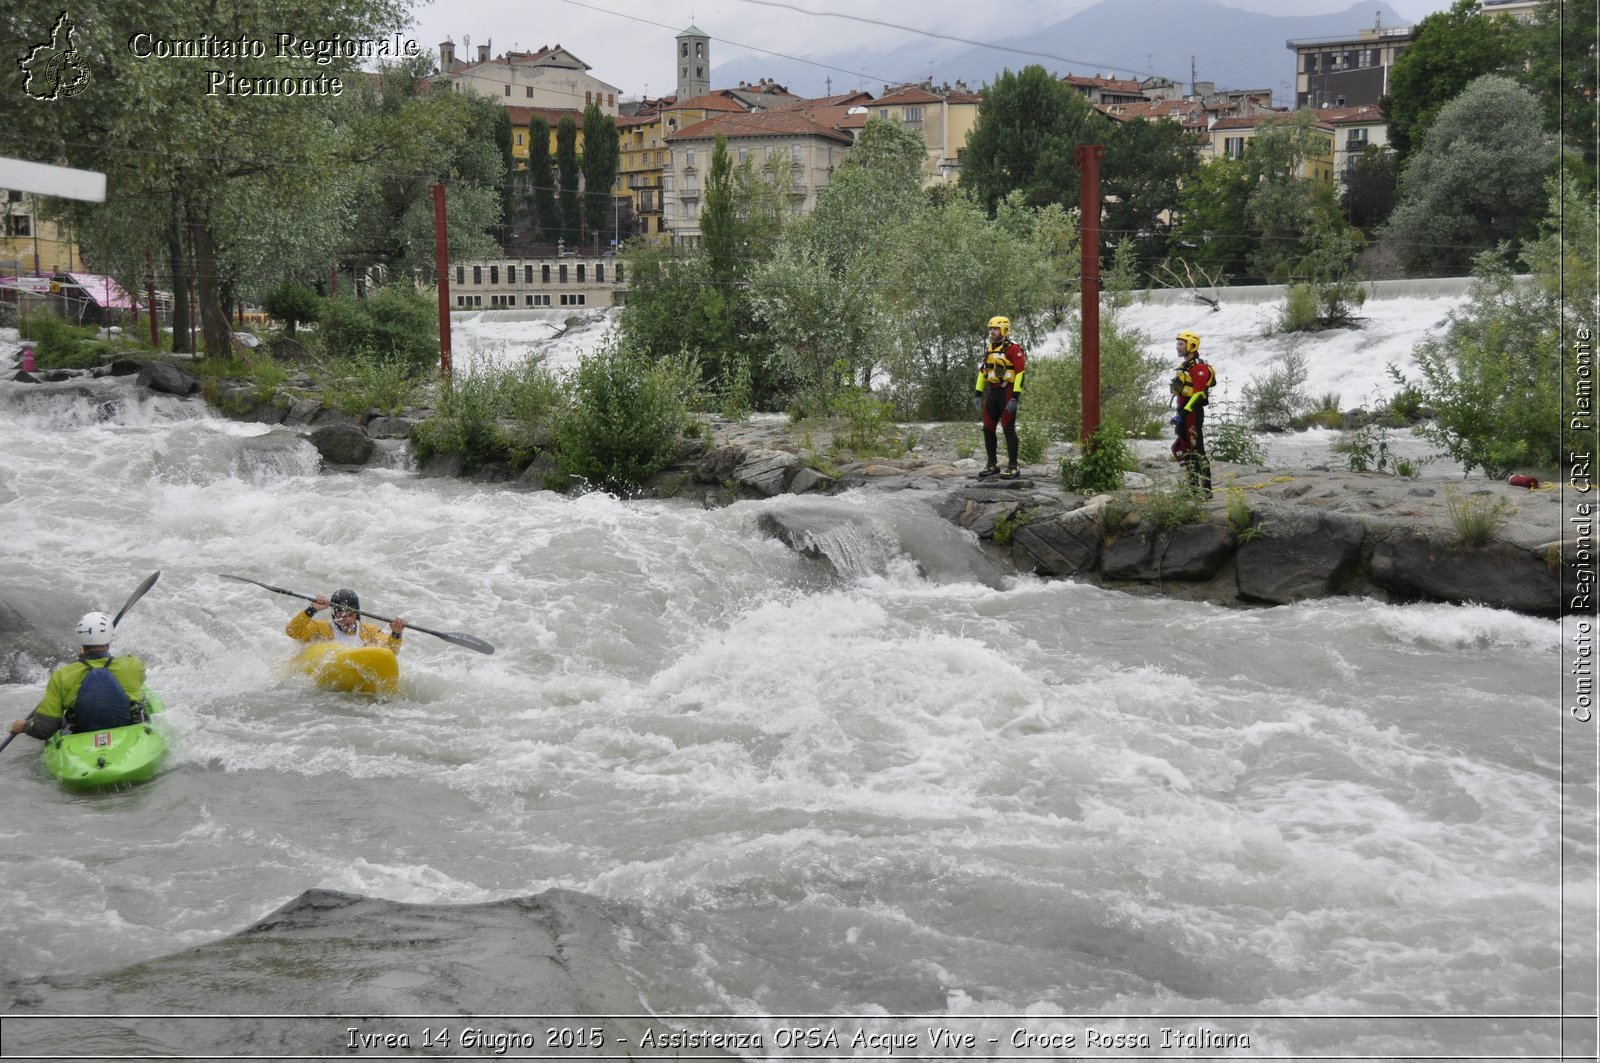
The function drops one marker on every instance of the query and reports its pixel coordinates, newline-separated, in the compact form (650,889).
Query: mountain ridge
(1231,47)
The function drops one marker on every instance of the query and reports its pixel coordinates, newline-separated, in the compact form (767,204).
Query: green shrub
(1276,399)
(57,344)
(1477,517)
(1168,508)
(869,426)
(291,303)
(1300,311)
(1033,439)
(1106,458)
(1241,518)
(1007,526)
(1232,441)
(366,381)
(628,421)
(267,375)
(1364,450)
(397,323)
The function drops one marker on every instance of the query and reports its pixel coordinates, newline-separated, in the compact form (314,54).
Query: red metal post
(441,254)
(150,295)
(1088,158)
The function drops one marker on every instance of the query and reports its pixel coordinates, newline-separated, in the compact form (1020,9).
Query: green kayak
(104,758)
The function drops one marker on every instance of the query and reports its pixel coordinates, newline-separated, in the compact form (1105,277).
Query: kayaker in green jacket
(95,692)
(345,627)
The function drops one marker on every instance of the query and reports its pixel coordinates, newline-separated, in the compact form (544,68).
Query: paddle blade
(460,638)
(146,585)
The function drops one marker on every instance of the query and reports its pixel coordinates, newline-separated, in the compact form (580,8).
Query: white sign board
(44,180)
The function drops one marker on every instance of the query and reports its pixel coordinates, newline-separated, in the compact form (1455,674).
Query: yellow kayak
(362,669)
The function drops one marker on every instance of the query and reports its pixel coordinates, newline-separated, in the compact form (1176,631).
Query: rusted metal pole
(1088,158)
(441,254)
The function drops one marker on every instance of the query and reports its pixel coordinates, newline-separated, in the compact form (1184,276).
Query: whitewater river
(1331,829)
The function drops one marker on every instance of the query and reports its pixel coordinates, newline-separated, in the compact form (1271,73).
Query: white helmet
(95,630)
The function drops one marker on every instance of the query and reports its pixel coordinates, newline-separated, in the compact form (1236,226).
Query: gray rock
(390,427)
(1065,546)
(301,411)
(1414,564)
(766,472)
(167,379)
(1298,553)
(717,467)
(808,480)
(342,444)
(1187,552)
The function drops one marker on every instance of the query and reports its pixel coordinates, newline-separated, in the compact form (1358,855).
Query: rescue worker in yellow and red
(1191,386)
(999,386)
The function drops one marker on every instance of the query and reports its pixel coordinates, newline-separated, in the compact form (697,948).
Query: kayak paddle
(135,596)
(460,638)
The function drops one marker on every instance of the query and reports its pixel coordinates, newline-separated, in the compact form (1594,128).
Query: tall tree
(601,144)
(1025,137)
(1476,180)
(1448,50)
(186,145)
(542,180)
(719,220)
(1213,231)
(1293,213)
(1147,163)
(1562,45)
(1372,187)
(567,178)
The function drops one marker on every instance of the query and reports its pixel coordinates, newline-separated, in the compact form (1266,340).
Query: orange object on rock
(1519,480)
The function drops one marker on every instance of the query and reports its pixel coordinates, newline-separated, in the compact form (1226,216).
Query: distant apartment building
(30,244)
(942,116)
(563,280)
(551,78)
(1354,130)
(1347,71)
(793,149)
(1228,137)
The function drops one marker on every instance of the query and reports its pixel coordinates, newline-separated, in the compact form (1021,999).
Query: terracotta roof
(1119,84)
(902,96)
(711,101)
(551,115)
(1363,115)
(1187,112)
(759,124)
(1254,120)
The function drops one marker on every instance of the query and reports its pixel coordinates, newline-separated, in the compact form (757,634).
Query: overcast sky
(628,43)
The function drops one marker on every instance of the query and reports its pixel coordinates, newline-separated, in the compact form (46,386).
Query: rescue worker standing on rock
(999,386)
(1191,385)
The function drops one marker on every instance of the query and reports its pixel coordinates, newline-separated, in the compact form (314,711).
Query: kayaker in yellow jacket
(95,692)
(345,627)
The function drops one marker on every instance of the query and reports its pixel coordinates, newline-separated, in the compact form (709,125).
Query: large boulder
(1064,546)
(342,443)
(767,472)
(35,631)
(168,379)
(1187,552)
(1298,553)
(1415,564)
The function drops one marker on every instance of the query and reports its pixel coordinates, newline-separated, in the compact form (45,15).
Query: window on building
(519,140)
(768,156)
(699,72)
(600,273)
(477,274)
(530,92)
(690,185)
(744,156)
(528,301)
(688,158)
(699,50)
(477,300)
(461,274)
(619,272)
(508,90)
(685,49)
(563,269)
(527,274)
(494,274)
(511,273)
(588,98)
(796,153)
(1233,147)
(580,273)
(913,116)
(544,274)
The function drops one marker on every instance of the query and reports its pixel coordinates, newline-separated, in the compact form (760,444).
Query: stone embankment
(1266,537)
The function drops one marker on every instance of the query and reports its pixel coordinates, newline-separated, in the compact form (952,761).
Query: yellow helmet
(1190,341)
(1001,323)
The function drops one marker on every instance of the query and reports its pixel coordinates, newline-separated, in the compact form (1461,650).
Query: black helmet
(345,598)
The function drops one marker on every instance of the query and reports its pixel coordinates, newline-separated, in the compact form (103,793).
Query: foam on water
(897,789)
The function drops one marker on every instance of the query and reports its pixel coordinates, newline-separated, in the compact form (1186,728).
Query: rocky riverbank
(1266,537)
